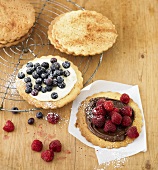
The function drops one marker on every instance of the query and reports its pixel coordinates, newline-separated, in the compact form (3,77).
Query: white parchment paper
(105,155)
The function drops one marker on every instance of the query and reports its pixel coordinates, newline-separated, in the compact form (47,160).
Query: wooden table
(132,60)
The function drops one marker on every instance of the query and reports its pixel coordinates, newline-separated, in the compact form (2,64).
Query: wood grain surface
(132,60)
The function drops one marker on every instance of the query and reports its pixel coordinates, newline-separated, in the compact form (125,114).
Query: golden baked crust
(16,41)
(84,32)
(52,104)
(82,125)
(17,17)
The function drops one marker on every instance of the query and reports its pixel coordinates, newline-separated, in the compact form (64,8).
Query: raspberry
(55,146)
(53,118)
(47,155)
(126,110)
(125,98)
(116,118)
(126,121)
(108,105)
(99,110)
(100,101)
(36,145)
(132,132)
(116,109)
(9,126)
(109,126)
(98,120)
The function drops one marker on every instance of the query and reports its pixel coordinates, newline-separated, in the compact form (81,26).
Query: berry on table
(36,145)
(9,126)
(31,121)
(39,115)
(14,110)
(53,118)
(47,155)
(55,146)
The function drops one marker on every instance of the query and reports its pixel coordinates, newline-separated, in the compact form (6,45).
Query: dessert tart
(82,33)
(49,82)
(109,119)
(17,19)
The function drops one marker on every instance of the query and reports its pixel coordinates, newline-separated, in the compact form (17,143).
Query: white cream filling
(69,81)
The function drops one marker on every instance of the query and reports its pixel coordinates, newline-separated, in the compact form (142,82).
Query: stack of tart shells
(82,33)
(17,19)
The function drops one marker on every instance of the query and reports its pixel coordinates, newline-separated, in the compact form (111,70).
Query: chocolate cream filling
(118,135)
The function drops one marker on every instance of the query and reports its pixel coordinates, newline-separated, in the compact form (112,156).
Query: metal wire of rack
(36,45)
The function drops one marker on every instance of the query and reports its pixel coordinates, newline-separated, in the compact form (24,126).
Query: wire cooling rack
(36,45)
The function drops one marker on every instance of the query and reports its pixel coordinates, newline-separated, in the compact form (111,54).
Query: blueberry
(40,70)
(37,87)
(49,71)
(30,64)
(55,83)
(35,75)
(66,73)
(48,81)
(34,92)
(51,76)
(45,65)
(61,71)
(38,81)
(49,88)
(14,110)
(60,79)
(28,90)
(53,60)
(56,73)
(21,75)
(54,95)
(39,115)
(61,85)
(27,79)
(52,67)
(30,70)
(36,65)
(43,90)
(44,75)
(55,66)
(31,121)
(29,84)
(66,64)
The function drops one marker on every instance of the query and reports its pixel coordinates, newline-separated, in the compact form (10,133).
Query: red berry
(116,109)
(125,98)
(132,132)
(126,110)
(9,126)
(108,105)
(109,126)
(116,118)
(100,101)
(99,110)
(98,120)
(47,155)
(126,121)
(53,118)
(55,146)
(36,145)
